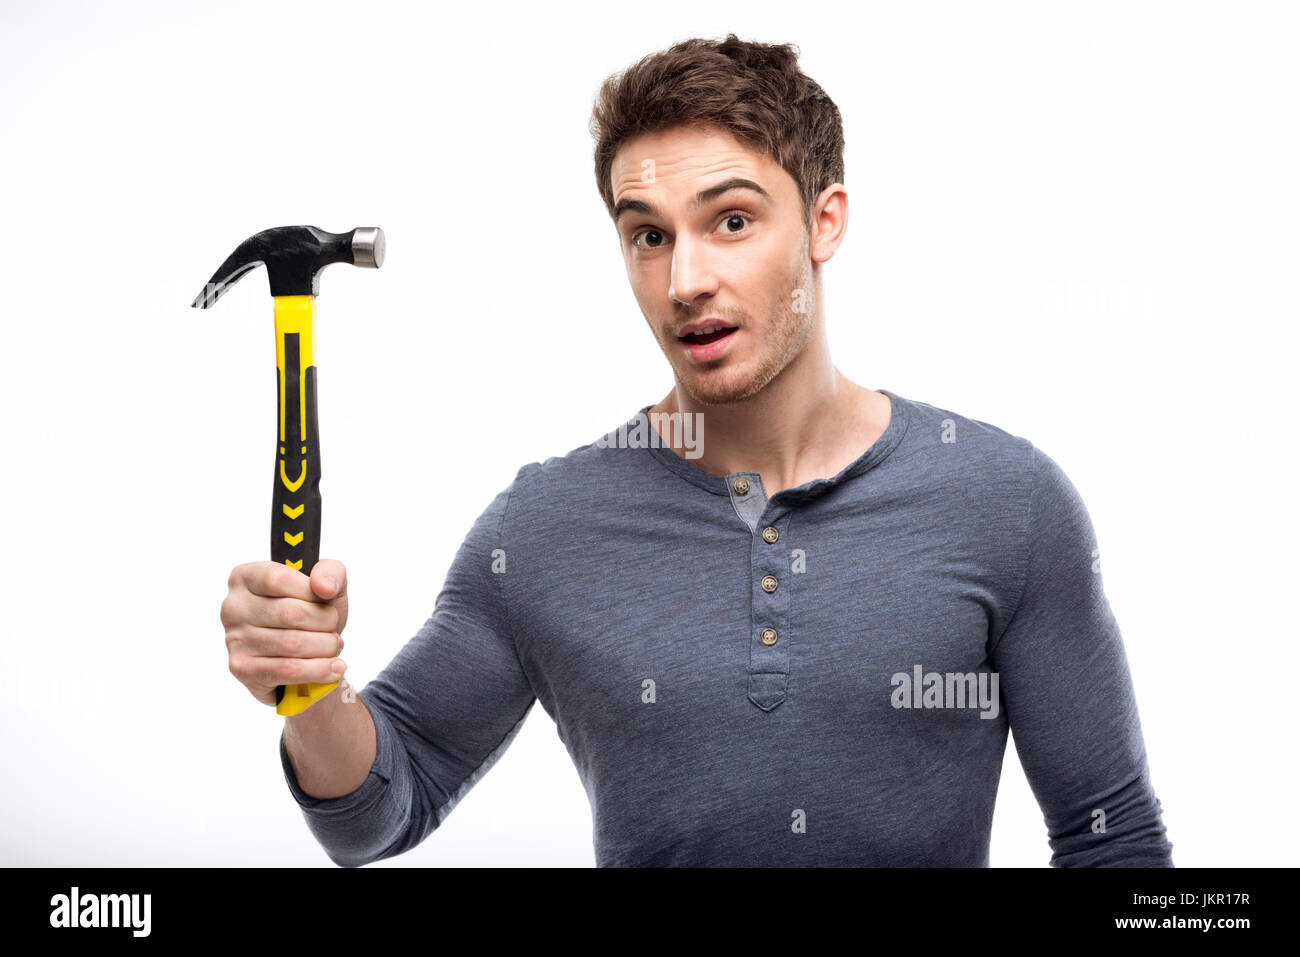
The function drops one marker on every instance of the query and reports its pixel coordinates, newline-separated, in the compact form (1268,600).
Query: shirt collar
(899,418)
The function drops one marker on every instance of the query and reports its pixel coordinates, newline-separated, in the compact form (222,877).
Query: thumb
(329,579)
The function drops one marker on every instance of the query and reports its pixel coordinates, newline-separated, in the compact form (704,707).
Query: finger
(272,672)
(274,580)
(293,613)
(329,579)
(283,643)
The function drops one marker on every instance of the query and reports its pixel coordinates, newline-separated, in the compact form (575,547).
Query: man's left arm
(1068,694)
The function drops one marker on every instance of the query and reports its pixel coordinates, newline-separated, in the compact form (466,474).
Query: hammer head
(294,257)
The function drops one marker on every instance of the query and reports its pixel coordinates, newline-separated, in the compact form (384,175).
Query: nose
(692,273)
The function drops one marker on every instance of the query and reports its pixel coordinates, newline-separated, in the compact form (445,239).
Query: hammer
(294,257)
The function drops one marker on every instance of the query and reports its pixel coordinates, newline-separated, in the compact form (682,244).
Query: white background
(1076,222)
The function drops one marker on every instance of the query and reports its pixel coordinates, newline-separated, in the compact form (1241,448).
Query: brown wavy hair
(754,91)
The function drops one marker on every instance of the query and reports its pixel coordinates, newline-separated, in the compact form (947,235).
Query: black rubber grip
(296,503)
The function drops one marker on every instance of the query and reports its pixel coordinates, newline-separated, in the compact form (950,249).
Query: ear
(830,219)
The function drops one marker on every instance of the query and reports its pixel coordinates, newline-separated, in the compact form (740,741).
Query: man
(778,618)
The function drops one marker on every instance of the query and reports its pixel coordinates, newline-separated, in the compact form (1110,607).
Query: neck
(809,422)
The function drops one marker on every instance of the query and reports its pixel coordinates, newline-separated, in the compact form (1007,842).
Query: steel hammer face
(294,257)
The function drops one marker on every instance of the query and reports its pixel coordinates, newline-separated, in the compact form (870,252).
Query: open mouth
(704,338)
(711,346)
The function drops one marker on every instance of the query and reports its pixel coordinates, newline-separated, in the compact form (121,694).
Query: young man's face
(739,256)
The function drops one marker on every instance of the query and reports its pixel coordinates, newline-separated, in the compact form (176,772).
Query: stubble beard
(786,334)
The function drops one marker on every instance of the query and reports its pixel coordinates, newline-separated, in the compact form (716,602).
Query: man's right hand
(283,627)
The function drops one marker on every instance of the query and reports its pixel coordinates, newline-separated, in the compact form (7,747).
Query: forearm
(331,745)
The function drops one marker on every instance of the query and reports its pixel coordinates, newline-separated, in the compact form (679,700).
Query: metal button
(770,534)
(769,636)
(768,583)
(741,485)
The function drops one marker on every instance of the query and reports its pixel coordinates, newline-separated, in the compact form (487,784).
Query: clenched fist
(283,627)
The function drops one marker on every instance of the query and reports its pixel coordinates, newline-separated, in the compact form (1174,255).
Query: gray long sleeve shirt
(825,676)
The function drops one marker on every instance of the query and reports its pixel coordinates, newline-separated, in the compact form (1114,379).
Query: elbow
(1143,845)
(354,849)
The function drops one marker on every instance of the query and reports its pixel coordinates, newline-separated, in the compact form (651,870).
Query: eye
(648,233)
(730,218)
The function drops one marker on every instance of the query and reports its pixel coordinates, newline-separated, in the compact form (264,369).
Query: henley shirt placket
(769,587)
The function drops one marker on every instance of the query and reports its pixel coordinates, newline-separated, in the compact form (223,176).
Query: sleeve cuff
(381,772)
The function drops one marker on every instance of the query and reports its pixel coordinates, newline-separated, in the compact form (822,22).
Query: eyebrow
(702,197)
